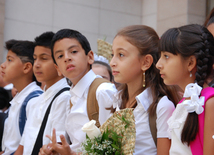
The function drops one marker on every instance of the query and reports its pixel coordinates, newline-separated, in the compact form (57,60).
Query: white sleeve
(164,111)
(105,95)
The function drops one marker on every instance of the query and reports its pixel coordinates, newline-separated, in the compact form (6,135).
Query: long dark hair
(191,40)
(146,40)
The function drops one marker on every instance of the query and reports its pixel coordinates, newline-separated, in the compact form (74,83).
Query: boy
(45,72)
(18,70)
(73,57)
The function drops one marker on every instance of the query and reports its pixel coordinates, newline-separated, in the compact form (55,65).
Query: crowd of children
(60,88)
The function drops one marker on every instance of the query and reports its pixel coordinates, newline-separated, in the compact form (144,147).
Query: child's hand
(46,150)
(63,148)
(1,152)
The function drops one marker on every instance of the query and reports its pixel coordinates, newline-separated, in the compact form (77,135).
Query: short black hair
(4,98)
(24,50)
(73,34)
(44,39)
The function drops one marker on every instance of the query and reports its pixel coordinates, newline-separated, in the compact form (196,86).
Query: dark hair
(209,20)
(68,33)
(23,49)
(4,98)
(44,39)
(108,68)
(145,39)
(191,40)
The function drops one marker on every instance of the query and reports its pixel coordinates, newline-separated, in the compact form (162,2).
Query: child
(101,67)
(186,57)
(18,70)
(135,53)
(45,72)
(73,56)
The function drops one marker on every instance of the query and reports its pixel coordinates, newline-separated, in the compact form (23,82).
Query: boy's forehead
(66,43)
(42,50)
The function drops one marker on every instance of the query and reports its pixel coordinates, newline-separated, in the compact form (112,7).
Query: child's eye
(74,52)
(121,55)
(9,59)
(166,56)
(60,56)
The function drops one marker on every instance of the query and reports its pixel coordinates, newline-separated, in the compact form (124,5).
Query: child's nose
(158,65)
(3,65)
(67,57)
(112,62)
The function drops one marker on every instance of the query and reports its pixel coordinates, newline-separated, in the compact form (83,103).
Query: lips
(70,67)
(2,73)
(115,72)
(38,73)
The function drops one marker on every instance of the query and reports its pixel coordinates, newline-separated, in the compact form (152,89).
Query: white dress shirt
(36,112)
(77,116)
(12,136)
(144,144)
(176,124)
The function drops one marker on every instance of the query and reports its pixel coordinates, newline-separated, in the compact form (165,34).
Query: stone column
(2,16)
(165,14)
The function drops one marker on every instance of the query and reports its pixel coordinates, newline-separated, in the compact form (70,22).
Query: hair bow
(195,104)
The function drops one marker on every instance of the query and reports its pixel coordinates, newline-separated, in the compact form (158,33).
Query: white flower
(195,104)
(91,129)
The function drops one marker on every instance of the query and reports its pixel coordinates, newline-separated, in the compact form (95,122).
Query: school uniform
(11,134)
(144,144)
(77,116)
(36,112)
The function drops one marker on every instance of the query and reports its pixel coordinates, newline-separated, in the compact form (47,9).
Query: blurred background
(96,19)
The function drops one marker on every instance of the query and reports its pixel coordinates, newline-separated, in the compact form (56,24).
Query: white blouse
(176,124)
(144,144)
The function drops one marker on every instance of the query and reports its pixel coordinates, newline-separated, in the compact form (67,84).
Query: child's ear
(191,63)
(58,71)
(27,67)
(90,57)
(147,62)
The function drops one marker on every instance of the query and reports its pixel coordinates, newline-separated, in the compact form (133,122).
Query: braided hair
(191,40)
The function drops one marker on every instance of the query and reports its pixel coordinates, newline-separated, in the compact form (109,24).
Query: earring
(190,75)
(144,80)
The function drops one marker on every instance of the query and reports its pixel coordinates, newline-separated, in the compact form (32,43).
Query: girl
(185,59)
(135,53)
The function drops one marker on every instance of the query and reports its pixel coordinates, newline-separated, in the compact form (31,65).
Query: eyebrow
(42,54)
(10,57)
(72,46)
(119,49)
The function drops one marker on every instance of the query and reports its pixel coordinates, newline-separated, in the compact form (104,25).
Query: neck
(52,82)
(21,83)
(133,91)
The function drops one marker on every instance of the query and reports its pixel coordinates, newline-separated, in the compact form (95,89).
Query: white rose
(91,129)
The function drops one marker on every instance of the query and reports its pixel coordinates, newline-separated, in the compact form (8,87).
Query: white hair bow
(195,104)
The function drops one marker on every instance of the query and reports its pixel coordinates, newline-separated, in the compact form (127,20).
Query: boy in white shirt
(18,70)
(73,57)
(45,72)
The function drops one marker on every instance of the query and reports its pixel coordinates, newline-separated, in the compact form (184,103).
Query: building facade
(96,19)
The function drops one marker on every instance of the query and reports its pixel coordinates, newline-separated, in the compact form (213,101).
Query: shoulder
(64,96)
(210,104)
(165,103)
(106,87)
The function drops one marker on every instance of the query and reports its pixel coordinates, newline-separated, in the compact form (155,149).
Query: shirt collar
(56,87)
(145,98)
(20,96)
(80,88)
